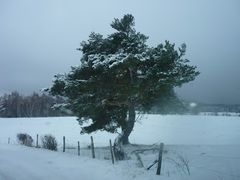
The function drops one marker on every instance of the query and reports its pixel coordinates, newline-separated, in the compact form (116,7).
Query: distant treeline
(218,107)
(44,105)
(35,105)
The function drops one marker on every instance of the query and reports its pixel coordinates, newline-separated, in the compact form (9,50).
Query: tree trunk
(123,138)
(130,124)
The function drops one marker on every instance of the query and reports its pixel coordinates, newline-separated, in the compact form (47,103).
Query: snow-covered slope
(208,145)
(22,163)
(204,162)
(170,129)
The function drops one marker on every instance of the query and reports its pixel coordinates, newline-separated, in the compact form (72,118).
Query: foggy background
(38,39)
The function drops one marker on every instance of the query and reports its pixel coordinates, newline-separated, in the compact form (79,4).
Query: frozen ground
(204,162)
(22,163)
(151,129)
(197,147)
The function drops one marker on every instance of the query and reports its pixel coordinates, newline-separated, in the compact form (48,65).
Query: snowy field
(196,147)
(150,129)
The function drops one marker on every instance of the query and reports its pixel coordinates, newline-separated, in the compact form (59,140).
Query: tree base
(118,148)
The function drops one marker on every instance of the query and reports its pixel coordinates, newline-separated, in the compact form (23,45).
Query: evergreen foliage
(120,74)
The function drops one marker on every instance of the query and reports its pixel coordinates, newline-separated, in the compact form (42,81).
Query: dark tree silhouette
(119,74)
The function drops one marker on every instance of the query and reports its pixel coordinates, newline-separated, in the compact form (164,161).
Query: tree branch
(112,103)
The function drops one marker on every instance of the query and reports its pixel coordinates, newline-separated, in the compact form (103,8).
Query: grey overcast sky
(38,39)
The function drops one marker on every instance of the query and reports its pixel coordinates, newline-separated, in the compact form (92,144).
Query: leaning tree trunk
(129,124)
(123,138)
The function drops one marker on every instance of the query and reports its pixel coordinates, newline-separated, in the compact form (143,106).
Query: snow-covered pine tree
(119,74)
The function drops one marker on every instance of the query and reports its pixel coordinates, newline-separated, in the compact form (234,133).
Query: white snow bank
(204,162)
(24,163)
(170,129)
(211,149)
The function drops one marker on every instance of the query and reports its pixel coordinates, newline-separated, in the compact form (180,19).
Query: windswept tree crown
(119,70)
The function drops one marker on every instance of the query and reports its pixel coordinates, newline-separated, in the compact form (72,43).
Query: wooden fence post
(78,148)
(9,140)
(63,143)
(37,142)
(111,150)
(160,159)
(92,147)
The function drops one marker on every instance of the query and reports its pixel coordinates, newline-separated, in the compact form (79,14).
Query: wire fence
(174,161)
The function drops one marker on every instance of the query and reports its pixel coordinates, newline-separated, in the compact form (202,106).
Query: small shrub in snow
(25,139)
(49,142)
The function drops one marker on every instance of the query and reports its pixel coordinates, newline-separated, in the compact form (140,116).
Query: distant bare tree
(35,105)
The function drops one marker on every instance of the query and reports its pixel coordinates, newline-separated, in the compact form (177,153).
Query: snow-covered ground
(23,163)
(217,162)
(150,129)
(208,145)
